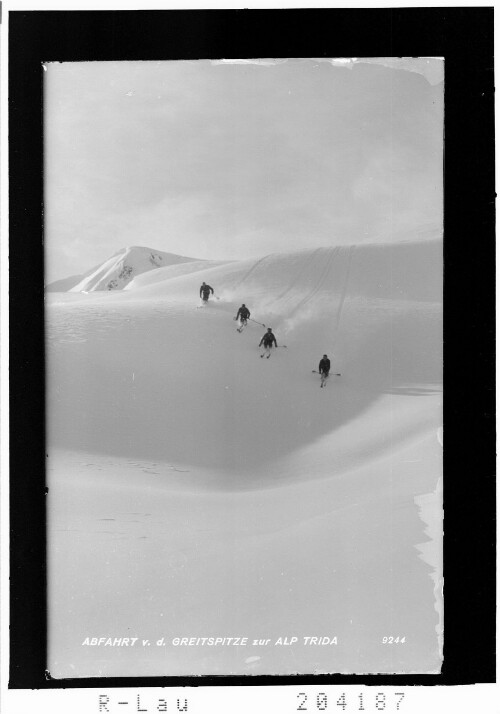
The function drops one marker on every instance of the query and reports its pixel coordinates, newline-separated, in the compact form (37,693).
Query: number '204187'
(378,702)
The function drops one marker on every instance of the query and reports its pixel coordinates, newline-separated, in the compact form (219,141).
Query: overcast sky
(226,161)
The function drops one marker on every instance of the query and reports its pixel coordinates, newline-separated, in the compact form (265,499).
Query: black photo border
(464,37)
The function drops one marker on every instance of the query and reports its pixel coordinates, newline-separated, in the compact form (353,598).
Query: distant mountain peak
(118,270)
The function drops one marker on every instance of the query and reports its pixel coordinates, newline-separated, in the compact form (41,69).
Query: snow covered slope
(373,309)
(116,272)
(63,285)
(219,492)
(172,271)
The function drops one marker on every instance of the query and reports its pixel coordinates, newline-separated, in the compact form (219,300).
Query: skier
(243,314)
(205,291)
(324,369)
(268,340)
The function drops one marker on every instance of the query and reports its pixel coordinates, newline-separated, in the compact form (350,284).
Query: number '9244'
(393,640)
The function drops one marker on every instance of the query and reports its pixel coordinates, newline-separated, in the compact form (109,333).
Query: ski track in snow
(304,268)
(252,269)
(319,285)
(344,293)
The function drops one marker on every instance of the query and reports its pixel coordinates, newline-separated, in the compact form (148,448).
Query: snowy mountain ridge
(123,266)
(119,270)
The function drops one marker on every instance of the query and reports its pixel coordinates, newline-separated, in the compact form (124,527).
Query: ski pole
(257,323)
(334,374)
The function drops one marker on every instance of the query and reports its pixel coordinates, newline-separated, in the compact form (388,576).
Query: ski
(333,374)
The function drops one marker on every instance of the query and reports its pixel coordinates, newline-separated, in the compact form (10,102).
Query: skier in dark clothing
(268,340)
(242,315)
(324,369)
(205,291)
(243,312)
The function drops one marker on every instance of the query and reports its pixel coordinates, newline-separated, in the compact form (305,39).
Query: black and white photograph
(244,366)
